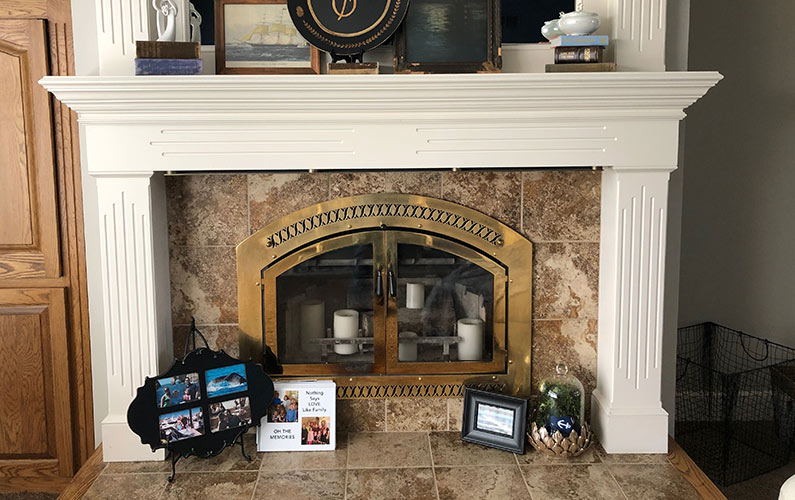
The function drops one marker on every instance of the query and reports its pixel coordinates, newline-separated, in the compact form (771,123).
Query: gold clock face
(347,26)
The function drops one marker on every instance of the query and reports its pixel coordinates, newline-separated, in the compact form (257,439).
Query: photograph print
(226,380)
(258,36)
(179,425)
(315,430)
(230,414)
(176,390)
(284,407)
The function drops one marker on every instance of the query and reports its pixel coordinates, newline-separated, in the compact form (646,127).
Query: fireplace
(391,295)
(134,129)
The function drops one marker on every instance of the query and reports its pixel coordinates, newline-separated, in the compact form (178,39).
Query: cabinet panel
(34,395)
(29,234)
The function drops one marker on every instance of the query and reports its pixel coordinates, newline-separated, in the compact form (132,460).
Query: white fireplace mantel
(134,128)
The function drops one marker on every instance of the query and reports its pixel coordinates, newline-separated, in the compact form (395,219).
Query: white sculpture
(166,13)
(195,23)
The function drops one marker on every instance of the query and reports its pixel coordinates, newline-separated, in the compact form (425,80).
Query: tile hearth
(405,465)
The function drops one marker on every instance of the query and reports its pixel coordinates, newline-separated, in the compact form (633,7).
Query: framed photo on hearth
(259,37)
(494,420)
(450,36)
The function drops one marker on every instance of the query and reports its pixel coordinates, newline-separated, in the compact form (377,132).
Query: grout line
(524,478)
(610,471)
(386,416)
(433,467)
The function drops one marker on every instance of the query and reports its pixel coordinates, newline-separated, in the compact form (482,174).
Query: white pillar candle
(415,295)
(346,326)
(313,324)
(407,351)
(471,346)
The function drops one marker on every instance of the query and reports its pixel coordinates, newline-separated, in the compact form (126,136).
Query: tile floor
(405,465)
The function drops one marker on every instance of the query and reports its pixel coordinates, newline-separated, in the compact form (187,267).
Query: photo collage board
(203,402)
(301,416)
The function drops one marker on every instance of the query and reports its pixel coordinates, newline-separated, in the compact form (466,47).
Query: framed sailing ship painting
(258,37)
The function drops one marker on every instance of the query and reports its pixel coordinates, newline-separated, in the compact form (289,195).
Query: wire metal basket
(725,413)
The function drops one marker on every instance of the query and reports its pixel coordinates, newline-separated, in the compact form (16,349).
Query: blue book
(168,66)
(579,41)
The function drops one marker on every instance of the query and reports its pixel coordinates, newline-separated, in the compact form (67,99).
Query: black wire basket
(726,419)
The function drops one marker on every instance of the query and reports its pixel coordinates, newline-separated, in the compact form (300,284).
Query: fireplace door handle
(379,283)
(391,281)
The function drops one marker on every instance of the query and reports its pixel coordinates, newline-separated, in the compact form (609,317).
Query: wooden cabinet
(35,430)
(46,421)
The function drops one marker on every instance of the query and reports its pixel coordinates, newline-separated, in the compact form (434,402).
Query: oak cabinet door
(35,431)
(28,206)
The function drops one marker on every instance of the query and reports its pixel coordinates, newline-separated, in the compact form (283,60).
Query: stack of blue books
(167,58)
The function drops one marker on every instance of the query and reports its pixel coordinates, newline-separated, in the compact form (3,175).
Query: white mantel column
(627,413)
(136,299)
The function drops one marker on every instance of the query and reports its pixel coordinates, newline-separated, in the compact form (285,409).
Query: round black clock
(347,27)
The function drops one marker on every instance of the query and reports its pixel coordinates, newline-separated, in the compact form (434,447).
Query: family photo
(315,430)
(229,414)
(284,407)
(180,425)
(177,390)
(226,380)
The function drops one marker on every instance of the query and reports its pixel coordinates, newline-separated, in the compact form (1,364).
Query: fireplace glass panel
(325,309)
(445,307)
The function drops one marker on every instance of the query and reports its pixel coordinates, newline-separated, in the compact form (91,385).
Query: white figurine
(166,12)
(195,23)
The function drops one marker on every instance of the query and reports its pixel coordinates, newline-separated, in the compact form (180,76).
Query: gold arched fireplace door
(390,295)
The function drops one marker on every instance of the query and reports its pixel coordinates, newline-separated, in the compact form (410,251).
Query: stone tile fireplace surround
(557,210)
(521,125)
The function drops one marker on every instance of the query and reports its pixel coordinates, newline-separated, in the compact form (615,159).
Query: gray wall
(738,222)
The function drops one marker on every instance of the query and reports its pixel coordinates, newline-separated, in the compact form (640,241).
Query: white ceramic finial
(166,14)
(578,6)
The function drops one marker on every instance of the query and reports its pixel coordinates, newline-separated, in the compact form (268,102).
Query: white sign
(301,417)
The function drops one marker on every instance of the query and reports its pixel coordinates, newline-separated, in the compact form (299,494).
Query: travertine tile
(565,280)
(548,482)
(137,467)
(314,460)
(203,284)
(226,485)
(408,182)
(561,205)
(206,209)
(572,341)
(447,449)
(231,459)
(388,449)
(535,457)
(497,194)
(416,414)
(126,486)
(465,483)
(652,481)
(384,484)
(455,413)
(219,337)
(272,196)
(360,415)
(630,458)
(301,485)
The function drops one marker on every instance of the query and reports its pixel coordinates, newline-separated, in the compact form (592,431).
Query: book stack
(167,58)
(580,53)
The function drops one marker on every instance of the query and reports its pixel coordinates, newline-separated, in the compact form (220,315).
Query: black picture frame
(485,423)
(145,413)
(486,57)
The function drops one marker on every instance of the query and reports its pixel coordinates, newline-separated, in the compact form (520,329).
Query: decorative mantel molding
(133,128)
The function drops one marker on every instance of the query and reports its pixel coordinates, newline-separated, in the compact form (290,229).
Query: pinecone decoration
(556,444)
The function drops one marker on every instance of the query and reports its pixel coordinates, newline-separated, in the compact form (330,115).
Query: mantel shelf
(383,97)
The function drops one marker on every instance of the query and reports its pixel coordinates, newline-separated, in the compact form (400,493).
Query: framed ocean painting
(258,37)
